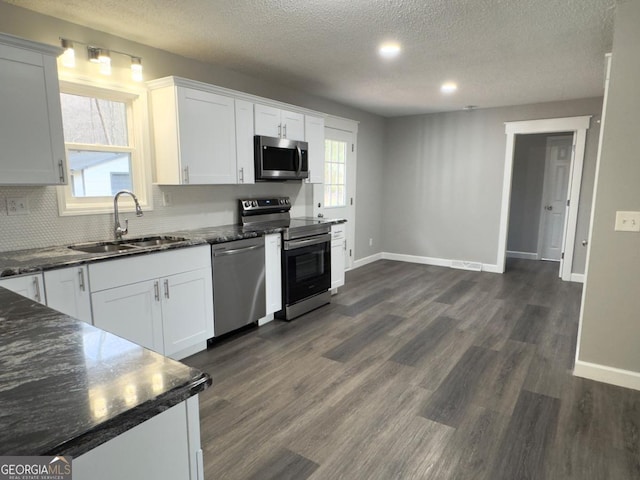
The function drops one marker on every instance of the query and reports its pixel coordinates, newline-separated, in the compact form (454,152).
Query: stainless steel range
(306,255)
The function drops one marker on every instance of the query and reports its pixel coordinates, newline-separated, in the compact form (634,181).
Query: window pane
(94,120)
(99,174)
(342,147)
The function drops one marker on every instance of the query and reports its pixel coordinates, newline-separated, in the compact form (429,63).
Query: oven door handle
(293,244)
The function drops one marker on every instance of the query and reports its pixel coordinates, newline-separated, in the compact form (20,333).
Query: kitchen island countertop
(67,387)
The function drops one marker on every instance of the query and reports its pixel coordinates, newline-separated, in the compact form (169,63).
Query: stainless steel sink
(126,245)
(154,241)
(111,247)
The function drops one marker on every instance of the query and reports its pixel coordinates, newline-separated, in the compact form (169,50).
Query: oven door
(307,267)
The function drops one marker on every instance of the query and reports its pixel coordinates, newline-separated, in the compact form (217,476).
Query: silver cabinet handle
(285,131)
(185,172)
(36,286)
(345,245)
(280,130)
(241,174)
(81,279)
(61,170)
(166,288)
(156,290)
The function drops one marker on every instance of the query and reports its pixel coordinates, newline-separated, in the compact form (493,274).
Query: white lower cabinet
(68,291)
(273,272)
(30,286)
(338,250)
(162,301)
(165,447)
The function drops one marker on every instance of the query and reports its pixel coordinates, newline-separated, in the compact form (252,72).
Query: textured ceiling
(500,52)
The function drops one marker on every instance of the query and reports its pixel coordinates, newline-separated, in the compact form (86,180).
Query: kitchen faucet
(117,229)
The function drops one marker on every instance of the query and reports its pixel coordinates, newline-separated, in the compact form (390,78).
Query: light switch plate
(627,222)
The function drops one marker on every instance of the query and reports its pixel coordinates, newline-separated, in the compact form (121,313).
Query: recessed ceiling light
(448,87)
(389,50)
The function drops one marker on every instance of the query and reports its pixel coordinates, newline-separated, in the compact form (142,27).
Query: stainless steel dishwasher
(238,284)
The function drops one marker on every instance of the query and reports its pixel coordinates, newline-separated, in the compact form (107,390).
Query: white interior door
(336,197)
(554,198)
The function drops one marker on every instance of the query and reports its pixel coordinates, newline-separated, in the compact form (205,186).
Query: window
(335,155)
(104,131)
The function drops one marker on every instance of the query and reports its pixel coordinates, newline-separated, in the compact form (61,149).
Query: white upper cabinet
(244,141)
(31,137)
(194,134)
(274,122)
(314,129)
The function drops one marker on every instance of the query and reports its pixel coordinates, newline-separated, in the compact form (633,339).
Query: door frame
(577,125)
(348,126)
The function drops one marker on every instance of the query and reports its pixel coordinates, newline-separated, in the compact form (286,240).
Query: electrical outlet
(17,206)
(627,222)
(167,199)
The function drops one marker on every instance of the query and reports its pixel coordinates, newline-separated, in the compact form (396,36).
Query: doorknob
(548,207)
(584,243)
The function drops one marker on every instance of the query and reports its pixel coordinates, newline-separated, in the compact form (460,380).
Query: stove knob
(282,201)
(254,203)
(246,204)
(287,201)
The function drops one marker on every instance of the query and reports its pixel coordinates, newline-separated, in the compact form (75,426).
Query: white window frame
(344,184)
(138,125)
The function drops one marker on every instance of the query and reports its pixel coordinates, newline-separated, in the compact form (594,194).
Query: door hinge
(353,146)
(568,202)
(351,200)
(562,256)
(350,252)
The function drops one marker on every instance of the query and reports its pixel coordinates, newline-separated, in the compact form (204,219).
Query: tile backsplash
(191,207)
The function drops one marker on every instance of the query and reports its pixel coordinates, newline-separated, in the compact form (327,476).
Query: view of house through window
(96,132)
(335,155)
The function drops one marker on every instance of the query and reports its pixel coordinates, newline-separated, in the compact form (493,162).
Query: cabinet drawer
(337,231)
(133,269)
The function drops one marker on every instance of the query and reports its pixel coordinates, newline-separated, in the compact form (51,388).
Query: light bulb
(69,54)
(136,69)
(104,59)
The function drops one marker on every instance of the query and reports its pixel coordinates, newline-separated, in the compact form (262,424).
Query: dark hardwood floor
(419,372)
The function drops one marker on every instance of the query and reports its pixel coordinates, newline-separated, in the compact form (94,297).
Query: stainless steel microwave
(280,159)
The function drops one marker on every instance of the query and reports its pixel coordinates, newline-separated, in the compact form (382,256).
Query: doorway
(539,187)
(336,197)
(575,126)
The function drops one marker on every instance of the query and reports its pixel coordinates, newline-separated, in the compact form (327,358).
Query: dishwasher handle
(223,253)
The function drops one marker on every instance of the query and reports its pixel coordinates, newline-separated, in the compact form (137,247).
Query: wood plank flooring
(419,372)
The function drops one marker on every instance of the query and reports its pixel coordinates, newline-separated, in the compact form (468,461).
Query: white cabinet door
(244,142)
(314,135)
(132,312)
(338,250)
(292,125)
(273,122)
(32,144)
(187,310)
(30,286)
(207,137)
(68,291)
(267,121)
(273,272)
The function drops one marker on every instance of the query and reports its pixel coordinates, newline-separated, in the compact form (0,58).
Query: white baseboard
(361,262)
(602,373)
(401,257)
(577,277)
(491,268)
(525,255)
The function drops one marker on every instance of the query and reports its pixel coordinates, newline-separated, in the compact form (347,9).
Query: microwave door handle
(299,170)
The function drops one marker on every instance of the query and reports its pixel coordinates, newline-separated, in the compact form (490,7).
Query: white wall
(193,206)
(610,324)
(444,173)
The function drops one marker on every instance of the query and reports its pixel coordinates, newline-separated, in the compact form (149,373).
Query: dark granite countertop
(35,260)
(67,387)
